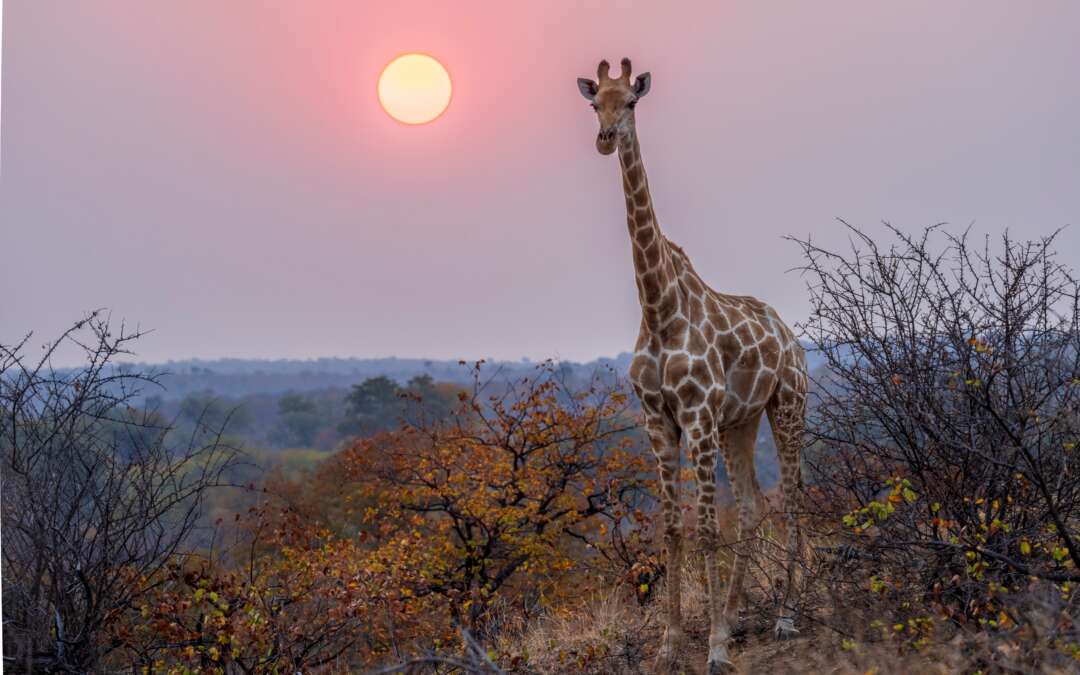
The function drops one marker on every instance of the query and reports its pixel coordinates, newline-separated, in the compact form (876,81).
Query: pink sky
(221,172)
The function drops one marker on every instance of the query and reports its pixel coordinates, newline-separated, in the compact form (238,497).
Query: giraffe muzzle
(605,140)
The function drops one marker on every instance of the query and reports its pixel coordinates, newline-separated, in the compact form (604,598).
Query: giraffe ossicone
(706,366)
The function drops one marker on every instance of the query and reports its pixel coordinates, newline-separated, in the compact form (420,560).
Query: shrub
(946,425)
(97,500)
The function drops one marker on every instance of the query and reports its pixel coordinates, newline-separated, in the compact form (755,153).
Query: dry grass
(613,634)
(605,634)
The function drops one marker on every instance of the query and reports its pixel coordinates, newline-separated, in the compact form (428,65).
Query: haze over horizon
(222,173)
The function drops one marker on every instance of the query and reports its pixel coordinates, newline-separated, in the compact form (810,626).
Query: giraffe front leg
(667,657)
(665,441)
(708,538)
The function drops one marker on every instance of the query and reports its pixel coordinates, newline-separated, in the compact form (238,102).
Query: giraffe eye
(595,107)
(632,104)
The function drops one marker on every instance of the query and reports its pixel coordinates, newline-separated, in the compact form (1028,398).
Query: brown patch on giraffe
(653,400)
(705,416)
(652,254)
(750,359)
(643,372)
(691,394)
(716,397)
(720,321)
(646,237)
(650,286)
(770,352)
(743,334)
(729,346)
(670,399)
(669,302)
(641,198)
(696,344)
(716,368)
(760,390)
(696,310)
(674,333)
(676,369)
(756,330)
(740,382)
(693,285)
(653,317)
(700,371)
(665,273)
(712,307)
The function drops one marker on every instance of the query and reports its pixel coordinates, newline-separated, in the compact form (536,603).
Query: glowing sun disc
(414,89)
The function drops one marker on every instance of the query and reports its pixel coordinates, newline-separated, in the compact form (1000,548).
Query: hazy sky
(221,172)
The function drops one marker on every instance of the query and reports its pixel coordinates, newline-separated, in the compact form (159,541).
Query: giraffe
(706,366)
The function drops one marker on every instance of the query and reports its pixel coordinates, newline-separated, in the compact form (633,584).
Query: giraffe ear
(642,84)
(587,87)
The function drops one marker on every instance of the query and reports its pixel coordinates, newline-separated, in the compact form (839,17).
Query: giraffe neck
(653,266)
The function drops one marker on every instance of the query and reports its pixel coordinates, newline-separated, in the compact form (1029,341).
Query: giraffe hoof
(719,661)
(719,664)
(665,661)
(720,668)
(667,657)
(785,629)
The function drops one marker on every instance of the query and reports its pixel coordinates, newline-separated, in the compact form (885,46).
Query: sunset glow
(414,89)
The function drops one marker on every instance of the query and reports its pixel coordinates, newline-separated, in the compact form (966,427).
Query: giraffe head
(614,99)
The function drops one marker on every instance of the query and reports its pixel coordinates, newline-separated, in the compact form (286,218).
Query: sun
(414,88)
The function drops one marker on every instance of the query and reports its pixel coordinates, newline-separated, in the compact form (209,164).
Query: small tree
(947,418)
(96,500)
(508,494)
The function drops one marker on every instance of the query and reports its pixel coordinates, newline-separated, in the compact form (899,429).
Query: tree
(509,494)
(209,412)
(299,421)
(378,404)
(95,502)
(948,417)
(372,406)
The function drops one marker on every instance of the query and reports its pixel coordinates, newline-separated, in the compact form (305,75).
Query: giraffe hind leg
(739,460)
(787,416)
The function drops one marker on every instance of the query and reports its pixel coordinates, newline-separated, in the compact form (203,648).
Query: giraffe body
(706,366)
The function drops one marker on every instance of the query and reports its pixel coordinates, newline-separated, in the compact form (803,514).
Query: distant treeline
(309,419)
(245,377)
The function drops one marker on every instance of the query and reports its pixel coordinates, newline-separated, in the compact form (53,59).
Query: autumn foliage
(407,540)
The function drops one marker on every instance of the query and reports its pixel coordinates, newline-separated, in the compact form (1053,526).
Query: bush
(96,500)
(946,427)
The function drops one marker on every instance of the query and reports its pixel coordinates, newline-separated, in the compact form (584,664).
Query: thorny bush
(945,431)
